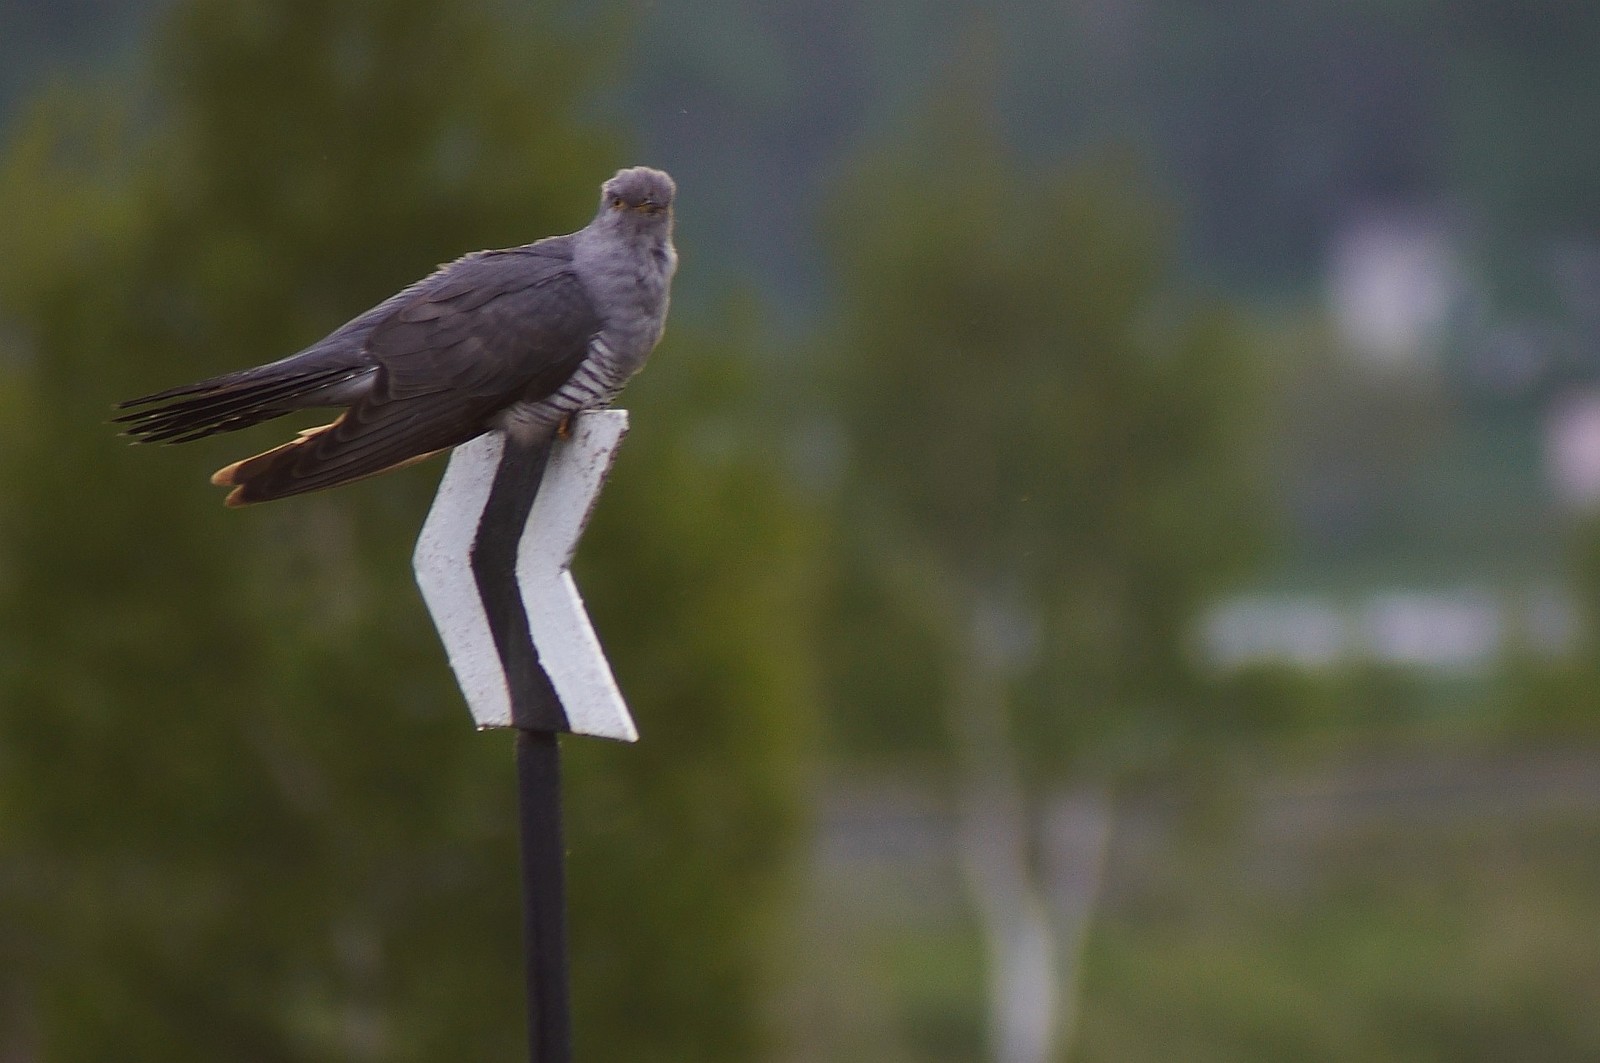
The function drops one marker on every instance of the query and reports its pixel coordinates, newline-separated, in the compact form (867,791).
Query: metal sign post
(493,564)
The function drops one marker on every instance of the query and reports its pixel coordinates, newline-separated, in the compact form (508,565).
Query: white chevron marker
(563,639)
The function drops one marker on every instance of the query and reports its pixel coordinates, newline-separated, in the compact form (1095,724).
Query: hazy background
(1105,564)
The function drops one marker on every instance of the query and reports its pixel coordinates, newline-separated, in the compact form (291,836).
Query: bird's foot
(564,429)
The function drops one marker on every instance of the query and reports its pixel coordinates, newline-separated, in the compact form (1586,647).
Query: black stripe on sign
(534,704)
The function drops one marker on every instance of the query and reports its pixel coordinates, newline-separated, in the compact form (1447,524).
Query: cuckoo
(519,339)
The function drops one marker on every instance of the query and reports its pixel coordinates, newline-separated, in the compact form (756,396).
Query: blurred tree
(244,814)
(1048,471)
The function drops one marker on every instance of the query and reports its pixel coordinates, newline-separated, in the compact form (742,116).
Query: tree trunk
(995,842)
(1073,842)
(1034,894)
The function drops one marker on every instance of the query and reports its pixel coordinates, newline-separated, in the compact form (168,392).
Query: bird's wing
(498,325)
(491,329)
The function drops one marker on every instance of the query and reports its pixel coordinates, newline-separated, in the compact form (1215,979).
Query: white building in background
(1456,630)
(1307,632)
(1395,280)
(1449,631)
(1572,449)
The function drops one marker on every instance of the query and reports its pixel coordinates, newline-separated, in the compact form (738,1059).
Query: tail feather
(206,414)
(227,403)
(240,474)
(296,467)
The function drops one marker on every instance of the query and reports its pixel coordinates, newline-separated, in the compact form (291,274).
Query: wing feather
(497,328)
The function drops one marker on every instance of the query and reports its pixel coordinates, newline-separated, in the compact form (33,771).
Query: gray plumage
(519,339)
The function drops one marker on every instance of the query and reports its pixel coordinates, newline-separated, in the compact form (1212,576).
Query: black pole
(534,705)
(537,715)
(544,897)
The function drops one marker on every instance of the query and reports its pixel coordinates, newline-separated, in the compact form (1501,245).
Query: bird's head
(638,196)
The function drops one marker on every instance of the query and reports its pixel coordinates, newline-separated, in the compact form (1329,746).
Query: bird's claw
(564,429)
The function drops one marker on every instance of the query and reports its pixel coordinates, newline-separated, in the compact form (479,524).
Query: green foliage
(244,814)
(1388,932)
(1553,697)
(1047,434)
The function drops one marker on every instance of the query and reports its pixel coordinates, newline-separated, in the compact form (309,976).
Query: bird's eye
(616,201)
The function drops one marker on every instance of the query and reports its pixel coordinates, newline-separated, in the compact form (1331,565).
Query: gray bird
(519,339)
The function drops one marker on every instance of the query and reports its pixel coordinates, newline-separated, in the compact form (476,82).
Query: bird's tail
(228,403)
(318,458)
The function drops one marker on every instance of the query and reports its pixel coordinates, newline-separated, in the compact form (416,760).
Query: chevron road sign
(492,581)
(492,562)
